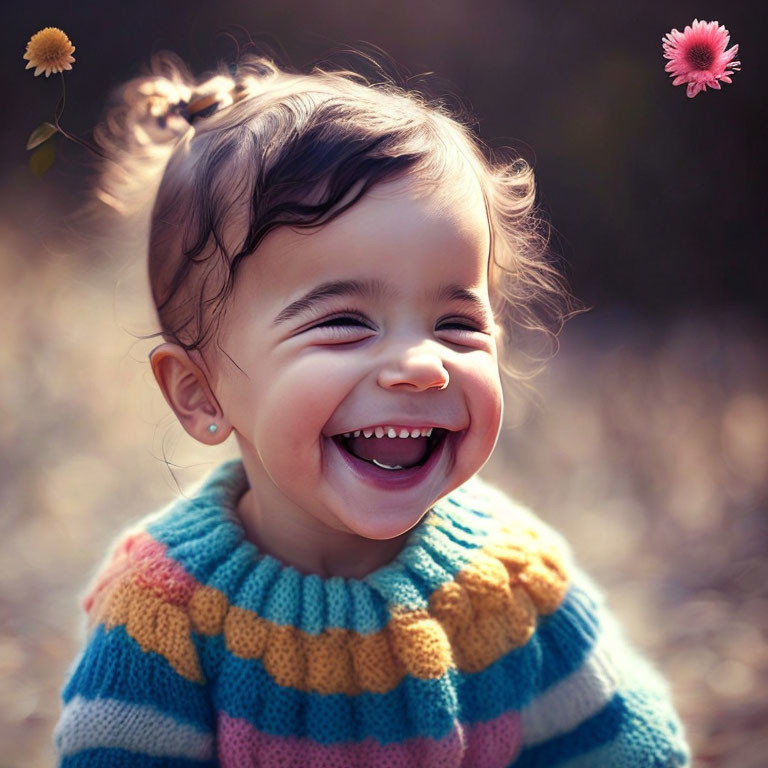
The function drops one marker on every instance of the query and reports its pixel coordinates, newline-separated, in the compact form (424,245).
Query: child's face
(400,357)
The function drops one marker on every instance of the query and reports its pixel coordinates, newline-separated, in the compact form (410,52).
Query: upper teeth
(390,432)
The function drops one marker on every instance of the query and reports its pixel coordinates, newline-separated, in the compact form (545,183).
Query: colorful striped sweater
(480,644)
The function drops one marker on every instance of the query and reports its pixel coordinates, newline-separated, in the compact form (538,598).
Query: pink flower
(697,56)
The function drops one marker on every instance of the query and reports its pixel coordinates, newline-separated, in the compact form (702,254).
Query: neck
(311,547)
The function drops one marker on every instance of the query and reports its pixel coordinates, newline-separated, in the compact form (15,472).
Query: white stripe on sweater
(572,700)
(110,723)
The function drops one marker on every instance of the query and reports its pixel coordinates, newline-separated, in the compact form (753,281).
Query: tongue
(392,451)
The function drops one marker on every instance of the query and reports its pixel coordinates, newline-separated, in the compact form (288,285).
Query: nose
(416,368)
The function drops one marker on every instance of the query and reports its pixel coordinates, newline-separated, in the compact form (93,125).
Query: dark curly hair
(289,148)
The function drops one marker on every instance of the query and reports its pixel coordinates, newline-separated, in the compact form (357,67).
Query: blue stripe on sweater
(113,665)
(597,731)
(624,733)
(121,758)
(567,636)
(633,750)
(415,707)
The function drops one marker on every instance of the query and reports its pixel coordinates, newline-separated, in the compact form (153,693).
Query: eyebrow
(370,289)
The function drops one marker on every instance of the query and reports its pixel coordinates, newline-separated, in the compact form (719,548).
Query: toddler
(340,272)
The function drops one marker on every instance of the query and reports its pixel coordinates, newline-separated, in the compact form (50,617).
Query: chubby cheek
(485,401)
(292,413)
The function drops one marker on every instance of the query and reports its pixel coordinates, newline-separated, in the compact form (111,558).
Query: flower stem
(57,117)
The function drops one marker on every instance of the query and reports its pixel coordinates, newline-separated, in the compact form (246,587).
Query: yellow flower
(49,50)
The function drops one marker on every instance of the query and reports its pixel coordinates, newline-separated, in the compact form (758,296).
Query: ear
(186,389)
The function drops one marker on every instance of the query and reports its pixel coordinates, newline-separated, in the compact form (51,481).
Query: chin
(383,525)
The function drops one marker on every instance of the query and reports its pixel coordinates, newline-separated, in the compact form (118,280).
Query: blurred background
(648,443)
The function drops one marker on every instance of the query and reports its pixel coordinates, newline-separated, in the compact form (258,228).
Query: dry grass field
(648,451)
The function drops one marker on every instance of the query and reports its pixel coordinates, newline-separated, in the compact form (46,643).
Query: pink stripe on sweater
(162,574)
(145,560)
(490,745)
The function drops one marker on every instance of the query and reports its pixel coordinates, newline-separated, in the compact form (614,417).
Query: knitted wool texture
(480,644)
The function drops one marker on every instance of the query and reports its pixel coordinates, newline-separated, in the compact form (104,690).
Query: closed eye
(353,321)
(340,321)
(344,321)
(348,321)
(460,327)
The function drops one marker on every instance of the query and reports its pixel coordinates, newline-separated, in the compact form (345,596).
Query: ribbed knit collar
(468,586)
(204,534)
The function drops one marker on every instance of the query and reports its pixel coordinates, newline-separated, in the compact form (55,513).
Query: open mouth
(392,453)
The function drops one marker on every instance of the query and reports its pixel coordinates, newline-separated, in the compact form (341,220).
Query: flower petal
(699,56)
(48,50)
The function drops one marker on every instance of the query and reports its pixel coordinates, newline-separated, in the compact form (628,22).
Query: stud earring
(212,428)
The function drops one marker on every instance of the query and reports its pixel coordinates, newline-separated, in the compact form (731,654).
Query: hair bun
(153,109)
(217,93)
(221,91)
(153,112)
(141,130)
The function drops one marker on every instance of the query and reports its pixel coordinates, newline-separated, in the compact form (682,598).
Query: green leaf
(42,133)
(42,158)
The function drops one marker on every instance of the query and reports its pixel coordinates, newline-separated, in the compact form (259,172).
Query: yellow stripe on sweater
(489,609)
(156,625)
